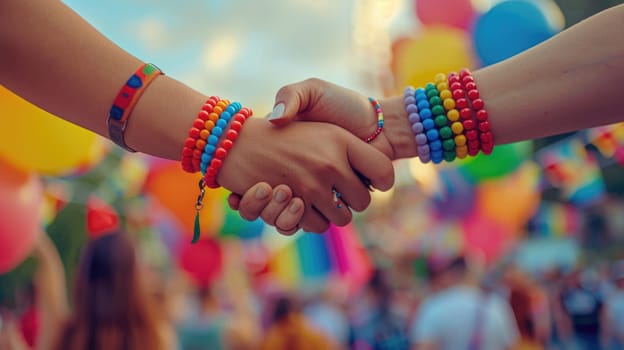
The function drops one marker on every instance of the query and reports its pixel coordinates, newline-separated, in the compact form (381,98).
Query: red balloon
(101,217)
(202,261)
(454,13)
(20,213)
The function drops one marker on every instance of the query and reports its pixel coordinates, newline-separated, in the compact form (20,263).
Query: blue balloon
(509,28)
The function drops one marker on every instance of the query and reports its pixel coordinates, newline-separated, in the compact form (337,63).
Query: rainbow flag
(568,166)
(311,259)
(554,219)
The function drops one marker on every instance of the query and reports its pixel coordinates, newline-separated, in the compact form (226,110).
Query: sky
(238,49)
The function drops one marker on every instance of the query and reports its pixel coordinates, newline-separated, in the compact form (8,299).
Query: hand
(321,101)
(276,207)
(312,159)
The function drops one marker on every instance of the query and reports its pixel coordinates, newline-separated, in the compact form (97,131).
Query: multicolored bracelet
(380,120)
(226,144)
(127,97)
(448,118)
(209,139)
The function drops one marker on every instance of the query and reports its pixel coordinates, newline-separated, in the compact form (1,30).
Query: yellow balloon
(439,49)
(510,200)
(34,140)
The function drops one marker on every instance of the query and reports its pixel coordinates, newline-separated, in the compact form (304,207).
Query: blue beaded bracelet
(215,134)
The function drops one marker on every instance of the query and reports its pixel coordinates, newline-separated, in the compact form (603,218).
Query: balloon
(511,27)
(512,200)
(235,225)
(34,140)
(20,211)
(457,194)
(101,217)
(503,160)
(415,61)
(177,191)
(454,13)
(485,237)
(202,261)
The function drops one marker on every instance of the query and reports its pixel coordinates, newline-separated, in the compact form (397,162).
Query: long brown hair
(112,309)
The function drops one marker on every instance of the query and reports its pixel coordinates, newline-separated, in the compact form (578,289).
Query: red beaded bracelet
(483,125)
(198,133)
(466,115)
(210,179)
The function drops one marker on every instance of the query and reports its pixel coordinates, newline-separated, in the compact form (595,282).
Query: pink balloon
(454,13)
(485,238)
(20,204)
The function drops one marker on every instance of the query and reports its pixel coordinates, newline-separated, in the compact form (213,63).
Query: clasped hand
(311,172)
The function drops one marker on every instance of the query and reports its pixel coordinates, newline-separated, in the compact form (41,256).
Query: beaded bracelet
(202,150)
(225,113)
(465,113)
(380,120)
(426,116)
(446,129)
(198,134)
(226,144)
(415,121)
(483,125)
(448,118)
(126,99)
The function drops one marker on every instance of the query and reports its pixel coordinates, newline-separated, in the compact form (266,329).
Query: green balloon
(503,160)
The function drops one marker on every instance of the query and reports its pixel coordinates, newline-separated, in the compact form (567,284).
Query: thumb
(293,99)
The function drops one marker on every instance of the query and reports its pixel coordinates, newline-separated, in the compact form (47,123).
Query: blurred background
(539,218)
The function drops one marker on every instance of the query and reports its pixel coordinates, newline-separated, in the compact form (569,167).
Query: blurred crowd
(116,302)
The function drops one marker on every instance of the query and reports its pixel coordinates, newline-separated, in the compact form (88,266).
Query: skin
(568,83)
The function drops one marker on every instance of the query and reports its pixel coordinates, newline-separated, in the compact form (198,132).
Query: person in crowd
(289,330)
(613,317)
(375,324)
(112,305)
(581,306)
(461,315)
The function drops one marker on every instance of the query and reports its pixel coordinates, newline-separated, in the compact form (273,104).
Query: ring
(337,196)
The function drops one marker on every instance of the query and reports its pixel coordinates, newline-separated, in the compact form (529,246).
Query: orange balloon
(35,140)
(20,213)
(177,191)
(511,200)
(439,49)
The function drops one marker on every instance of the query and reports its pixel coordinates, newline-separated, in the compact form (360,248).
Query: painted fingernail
(261,192)
(294,207)
(278,111)
(280,196)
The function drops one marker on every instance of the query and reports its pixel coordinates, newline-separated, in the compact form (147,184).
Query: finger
(331,206)
(294,98)
(313,221)
(287,222)
(371,163)
(254,200)
(353,192)
(278,203)
(234,201)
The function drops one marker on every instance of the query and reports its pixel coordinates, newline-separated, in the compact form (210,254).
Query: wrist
(397,133)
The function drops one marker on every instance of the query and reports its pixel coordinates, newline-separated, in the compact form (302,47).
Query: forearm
(570,82)
(59,62)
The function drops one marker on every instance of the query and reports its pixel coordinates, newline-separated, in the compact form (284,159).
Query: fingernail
(294,207)
(261,193)
(278,111)
(280,196)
